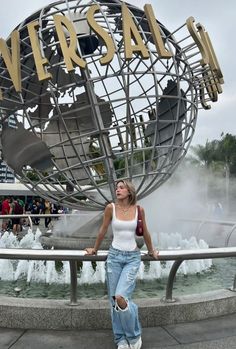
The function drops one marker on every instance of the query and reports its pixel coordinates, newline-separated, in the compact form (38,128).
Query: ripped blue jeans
(121,271)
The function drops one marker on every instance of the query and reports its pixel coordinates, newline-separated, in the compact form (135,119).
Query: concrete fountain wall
(91,314)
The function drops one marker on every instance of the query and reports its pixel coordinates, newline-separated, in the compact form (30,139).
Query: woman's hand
(154,254)
(91,250)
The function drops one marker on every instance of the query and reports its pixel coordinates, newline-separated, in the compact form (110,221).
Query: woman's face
(121,191)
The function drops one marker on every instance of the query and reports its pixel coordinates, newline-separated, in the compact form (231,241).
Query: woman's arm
(107,217)
(147,237)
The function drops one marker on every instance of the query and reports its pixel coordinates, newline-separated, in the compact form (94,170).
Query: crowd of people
(16,206)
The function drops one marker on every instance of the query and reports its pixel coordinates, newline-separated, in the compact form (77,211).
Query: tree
(209,159)
(227,154)
(218,156)
(206,154)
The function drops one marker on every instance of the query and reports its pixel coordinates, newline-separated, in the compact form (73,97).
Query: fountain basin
(95,314)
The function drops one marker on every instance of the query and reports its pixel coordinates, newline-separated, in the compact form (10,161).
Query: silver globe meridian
(70,138)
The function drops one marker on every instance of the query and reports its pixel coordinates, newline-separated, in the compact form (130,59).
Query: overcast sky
(218,18)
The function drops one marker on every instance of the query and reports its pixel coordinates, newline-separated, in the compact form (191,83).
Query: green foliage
(119,164)
(94,153)
(217,155)
(206,154)
(227,149)
(32,175)
(138,159)
(58,266)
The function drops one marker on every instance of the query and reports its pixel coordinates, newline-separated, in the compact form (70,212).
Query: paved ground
(217,333)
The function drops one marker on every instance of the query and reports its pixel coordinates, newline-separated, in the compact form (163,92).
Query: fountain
(101,91)
(46,272)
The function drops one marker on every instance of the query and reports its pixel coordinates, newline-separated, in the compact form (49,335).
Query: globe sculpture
(71,136)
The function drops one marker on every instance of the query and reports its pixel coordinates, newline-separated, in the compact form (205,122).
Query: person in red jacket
(6,209)
(17,209)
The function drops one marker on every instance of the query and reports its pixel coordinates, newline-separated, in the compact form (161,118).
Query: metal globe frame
(130,119)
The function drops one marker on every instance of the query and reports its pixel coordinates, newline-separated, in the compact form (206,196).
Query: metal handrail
(37,215)
(229,235)
(203,222)
(79,255)
(208,220)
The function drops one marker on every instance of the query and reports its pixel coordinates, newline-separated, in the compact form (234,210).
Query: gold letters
(102,34)
(39,60)
(130,32)
(192,30)
(69,52)
(213,78)
(12,61)
(209,82)
(213,62)
(155,29)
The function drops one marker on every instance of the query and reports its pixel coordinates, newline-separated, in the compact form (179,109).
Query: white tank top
(123,232)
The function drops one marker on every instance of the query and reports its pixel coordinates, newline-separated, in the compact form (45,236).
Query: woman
(47,210)
(123,263)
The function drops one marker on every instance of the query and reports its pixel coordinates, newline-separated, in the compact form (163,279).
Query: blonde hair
(131,190)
